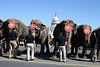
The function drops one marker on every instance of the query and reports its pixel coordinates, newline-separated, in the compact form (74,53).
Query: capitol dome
(55,21)
(51,28)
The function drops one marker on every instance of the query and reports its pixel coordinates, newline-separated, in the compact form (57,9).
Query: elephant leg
(42,49)
(34,48)
(67,47)
(47,48)
(76,52)
(4,47)
(98,52)
(7,44)
(72,50)
(55,51)
(84,52)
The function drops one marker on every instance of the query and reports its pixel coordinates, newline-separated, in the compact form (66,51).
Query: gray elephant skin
(68,34)
(20,27)
(41,35)
(93,43)
(80,39)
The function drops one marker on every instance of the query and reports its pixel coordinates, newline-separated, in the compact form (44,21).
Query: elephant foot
(48,52)
(41,55)
(53,56)
(18,53)
(41,52)
(84,57)
(72,54)
(76,56)
(94,60)
(98,57)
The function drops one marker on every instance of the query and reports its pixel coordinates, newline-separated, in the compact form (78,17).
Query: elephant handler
(30,42)
(62,50)
(2,38)
(13,36)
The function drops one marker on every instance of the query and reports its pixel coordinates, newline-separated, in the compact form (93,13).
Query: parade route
(45,61)
(21,60)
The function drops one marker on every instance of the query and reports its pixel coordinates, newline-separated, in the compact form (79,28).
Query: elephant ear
(57,30)
(42,27)
(75,28)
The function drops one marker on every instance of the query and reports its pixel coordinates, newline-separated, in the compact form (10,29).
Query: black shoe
(32,59)
(60,61)
(27,60)
(1,55)
(15,57)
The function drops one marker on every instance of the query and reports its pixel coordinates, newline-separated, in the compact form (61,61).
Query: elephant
(67,27)
(81,38)
(1,23)
(94,42)
(20,27)
(41,35)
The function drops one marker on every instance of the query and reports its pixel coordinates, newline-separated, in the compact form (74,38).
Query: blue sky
(80,11)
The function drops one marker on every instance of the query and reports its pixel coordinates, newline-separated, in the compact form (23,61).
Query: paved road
(45,61)
(33,64)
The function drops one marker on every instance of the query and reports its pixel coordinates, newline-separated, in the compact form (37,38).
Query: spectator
(62,50)
(13,36)
(2,38)
(30,41)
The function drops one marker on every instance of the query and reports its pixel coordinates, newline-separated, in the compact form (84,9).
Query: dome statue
(55,21)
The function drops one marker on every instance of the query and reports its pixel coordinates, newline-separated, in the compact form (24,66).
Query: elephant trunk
(86,39)
(68,36)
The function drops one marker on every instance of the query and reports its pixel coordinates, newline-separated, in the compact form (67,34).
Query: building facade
(51,28)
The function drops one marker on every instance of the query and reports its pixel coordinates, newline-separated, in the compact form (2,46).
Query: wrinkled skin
(60,28)
(80,39)
(41,35)
(21,29)
(97,31)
